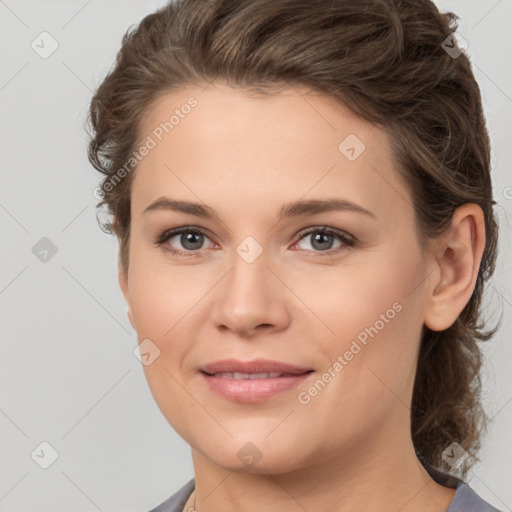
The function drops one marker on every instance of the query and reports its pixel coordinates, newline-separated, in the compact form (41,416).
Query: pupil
(188,238)
(318,237)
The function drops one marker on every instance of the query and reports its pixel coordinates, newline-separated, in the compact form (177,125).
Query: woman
(239,137)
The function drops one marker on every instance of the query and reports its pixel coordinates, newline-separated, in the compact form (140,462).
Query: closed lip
(252,366)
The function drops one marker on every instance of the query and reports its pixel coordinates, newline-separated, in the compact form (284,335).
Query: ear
(457,256)
(123,283)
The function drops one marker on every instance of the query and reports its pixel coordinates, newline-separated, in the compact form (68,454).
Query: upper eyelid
(169,233)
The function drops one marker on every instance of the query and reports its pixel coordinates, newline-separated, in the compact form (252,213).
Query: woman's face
(249,283)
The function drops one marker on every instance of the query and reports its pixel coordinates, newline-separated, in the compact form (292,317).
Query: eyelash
(348,241)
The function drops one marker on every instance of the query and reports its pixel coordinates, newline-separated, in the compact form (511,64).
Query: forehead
(289,144)
(216,113)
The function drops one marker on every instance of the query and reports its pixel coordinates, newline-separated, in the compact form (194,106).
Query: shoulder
(467,500)
(177,501)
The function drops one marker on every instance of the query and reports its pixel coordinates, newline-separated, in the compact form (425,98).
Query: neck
(374,474)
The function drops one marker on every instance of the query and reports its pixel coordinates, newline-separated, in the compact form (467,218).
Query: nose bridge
(250,293)
(248,279)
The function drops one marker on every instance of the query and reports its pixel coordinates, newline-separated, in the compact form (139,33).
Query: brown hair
(387,61)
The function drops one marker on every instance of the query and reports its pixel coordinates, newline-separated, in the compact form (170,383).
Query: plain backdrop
(68,375)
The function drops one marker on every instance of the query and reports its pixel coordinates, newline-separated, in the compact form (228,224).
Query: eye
(322,241)
(191,239)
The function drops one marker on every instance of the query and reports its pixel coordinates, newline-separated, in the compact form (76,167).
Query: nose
(250,299)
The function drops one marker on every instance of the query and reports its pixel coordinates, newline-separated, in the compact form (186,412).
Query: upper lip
(252,366)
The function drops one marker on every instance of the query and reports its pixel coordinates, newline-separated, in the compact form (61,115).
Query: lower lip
(253,390)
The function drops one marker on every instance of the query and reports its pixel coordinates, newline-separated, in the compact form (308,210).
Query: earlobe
(458,257)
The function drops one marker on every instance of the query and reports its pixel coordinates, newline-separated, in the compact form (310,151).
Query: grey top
(465,500)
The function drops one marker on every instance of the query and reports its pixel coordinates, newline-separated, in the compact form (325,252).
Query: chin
(256,456)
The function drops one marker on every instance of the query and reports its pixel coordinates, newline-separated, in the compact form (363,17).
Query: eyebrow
(295,209)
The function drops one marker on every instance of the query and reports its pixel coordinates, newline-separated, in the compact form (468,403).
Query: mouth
(253,367)
(252,381)
(254,376)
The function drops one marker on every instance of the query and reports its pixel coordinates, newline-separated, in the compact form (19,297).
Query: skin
(350,447)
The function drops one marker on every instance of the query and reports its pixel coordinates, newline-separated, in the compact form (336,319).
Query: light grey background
(68,375)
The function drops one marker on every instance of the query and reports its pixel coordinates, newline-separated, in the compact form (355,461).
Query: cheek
(376,293)
(377,324)
(375,318)
(159,298)
(161,303)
